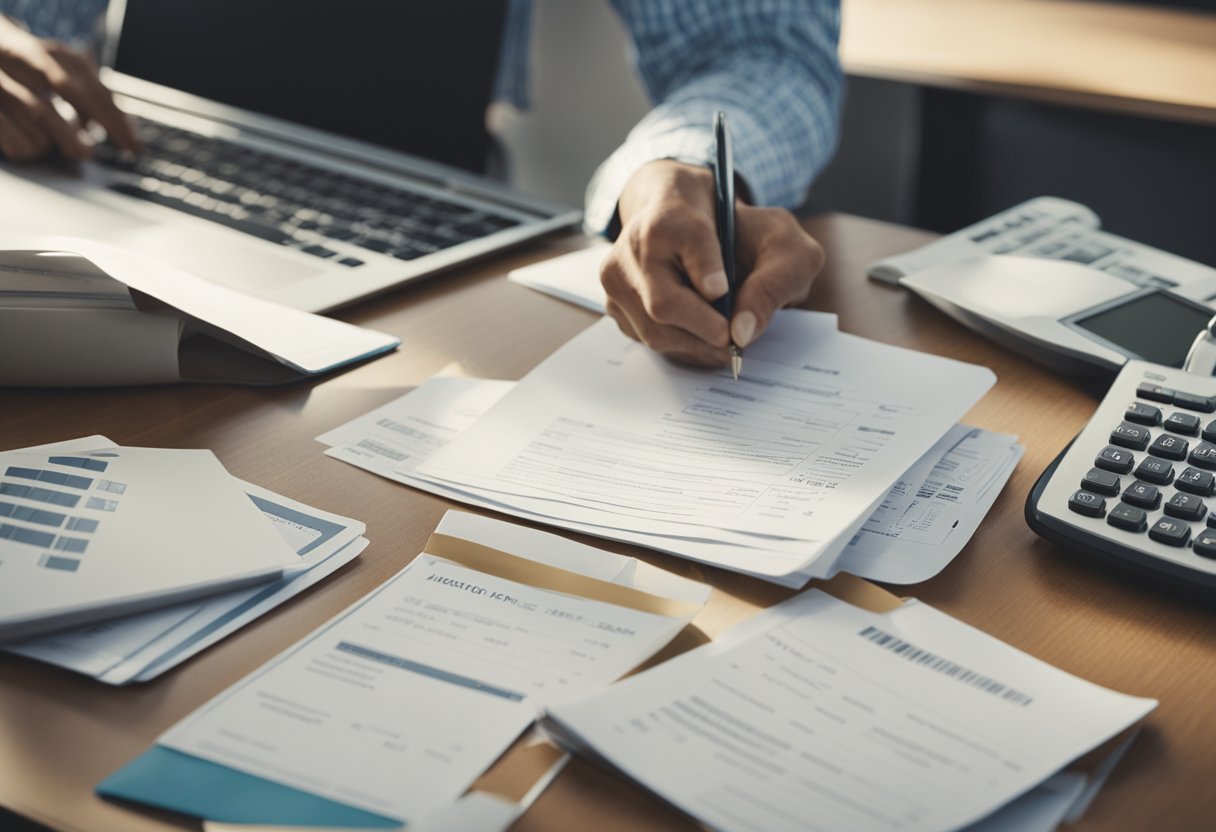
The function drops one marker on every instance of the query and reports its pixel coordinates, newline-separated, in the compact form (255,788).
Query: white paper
(573,277)
(305,342)
(606,427)
(410,429)
(910,538)
(933,510)
(398,704)
(817,715)
(92,534)
(141,647)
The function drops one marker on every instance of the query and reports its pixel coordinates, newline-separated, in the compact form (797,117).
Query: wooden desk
(1120,57)
(60,734)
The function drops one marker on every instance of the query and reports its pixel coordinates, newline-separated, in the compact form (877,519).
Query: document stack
(832,453)
(136,559)
(86,314)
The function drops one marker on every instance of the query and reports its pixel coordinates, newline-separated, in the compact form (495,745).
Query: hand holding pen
(666,270)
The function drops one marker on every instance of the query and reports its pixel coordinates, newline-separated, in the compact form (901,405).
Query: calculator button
(1087,503)
(1142,494)
(1205,544)
(1185,506)
(1101,482)
(1130,436)
(1204,404)
(1115,459)
(1155,393)
(1156,471)
(1170,532)
(1194,481)
(1145,414)
(1187,423)
(1204,455)
(1168,447)
(1209,431)
(1128,517)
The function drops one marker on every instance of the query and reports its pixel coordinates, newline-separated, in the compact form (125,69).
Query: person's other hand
(32,70)
(669,233)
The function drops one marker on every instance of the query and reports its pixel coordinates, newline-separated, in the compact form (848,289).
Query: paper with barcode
(818,715)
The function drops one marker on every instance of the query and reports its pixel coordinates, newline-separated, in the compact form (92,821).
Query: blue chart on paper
(55,510)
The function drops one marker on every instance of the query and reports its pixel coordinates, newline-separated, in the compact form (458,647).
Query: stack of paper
(139,647)
(822,714)
(831,453)
(389,712)
(83,313)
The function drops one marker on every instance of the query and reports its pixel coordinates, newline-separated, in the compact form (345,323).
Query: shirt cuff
(690,145)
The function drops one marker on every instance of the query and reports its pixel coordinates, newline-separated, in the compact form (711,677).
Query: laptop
(310,153)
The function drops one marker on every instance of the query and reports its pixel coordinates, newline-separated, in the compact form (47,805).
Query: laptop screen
(409,75)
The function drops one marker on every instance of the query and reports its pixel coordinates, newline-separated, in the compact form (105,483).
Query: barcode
(935,662)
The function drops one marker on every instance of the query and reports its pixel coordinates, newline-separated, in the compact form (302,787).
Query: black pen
(724,205)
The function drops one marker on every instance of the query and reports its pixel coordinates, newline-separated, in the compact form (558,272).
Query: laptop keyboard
(291,203)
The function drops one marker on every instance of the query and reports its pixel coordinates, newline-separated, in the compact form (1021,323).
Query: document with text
(923,522)
(819,715)
(795,453)
(397,705)
(762,477)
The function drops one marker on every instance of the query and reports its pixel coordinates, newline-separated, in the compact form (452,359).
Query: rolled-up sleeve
(771,65)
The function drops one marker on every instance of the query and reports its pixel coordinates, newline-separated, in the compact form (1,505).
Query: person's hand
(668,233)
(32,71)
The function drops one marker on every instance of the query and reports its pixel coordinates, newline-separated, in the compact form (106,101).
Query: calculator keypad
(1169,451)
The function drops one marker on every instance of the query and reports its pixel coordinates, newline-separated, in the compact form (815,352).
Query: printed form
(818,715)
(923,522)
(689,462)
(397,705)
(785,452)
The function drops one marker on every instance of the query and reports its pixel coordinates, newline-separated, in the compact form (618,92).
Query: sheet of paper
(95,534)
(925,519)
(305,342)
(607,427)
(573,277)
(399,703)
(933,510)
(141,647)
(820,715)
(410,429)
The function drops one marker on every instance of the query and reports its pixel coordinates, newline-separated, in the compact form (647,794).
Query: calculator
(1138,485)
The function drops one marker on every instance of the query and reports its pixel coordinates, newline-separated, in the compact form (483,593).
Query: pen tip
(736,361)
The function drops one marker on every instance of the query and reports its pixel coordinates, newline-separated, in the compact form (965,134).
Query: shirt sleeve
(73,21)
(771,65)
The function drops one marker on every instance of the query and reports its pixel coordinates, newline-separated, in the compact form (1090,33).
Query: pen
(724,205)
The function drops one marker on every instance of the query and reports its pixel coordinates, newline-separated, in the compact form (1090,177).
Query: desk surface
(60,734)
(1122,57)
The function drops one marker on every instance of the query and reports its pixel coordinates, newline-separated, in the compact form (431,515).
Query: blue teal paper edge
(169,779)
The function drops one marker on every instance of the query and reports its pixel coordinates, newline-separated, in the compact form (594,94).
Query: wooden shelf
(1125,58)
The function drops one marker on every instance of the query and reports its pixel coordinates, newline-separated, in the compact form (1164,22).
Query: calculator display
(1156,327)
